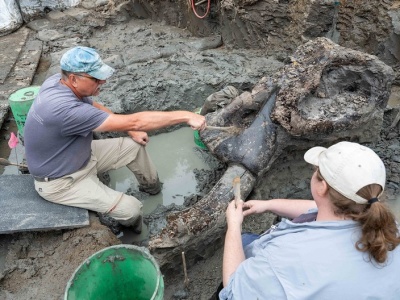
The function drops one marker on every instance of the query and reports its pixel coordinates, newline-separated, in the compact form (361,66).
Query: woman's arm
(233,248)
(289,208)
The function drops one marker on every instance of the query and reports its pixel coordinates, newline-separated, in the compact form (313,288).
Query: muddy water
(175,158)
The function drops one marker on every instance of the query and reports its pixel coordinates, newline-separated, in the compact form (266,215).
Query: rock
(40,24)
(49,35)
(77,13)
(207,43)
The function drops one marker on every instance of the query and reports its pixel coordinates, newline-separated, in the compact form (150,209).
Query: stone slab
(10,48)
(18,65)
(22,209)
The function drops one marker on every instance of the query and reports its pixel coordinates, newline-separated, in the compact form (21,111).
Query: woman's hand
(234,214)
(254,207)
(288,208)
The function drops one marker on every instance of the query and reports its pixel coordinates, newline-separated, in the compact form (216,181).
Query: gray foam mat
(22,209)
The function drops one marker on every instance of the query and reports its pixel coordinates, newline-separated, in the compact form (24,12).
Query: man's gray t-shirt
(59,130)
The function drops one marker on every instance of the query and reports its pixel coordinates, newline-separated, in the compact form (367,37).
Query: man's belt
(44,179)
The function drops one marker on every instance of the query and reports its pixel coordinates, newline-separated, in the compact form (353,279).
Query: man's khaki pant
(84,189)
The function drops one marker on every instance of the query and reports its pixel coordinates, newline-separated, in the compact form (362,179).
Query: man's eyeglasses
(90,77)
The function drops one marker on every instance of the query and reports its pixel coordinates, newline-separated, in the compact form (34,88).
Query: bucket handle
(29,93)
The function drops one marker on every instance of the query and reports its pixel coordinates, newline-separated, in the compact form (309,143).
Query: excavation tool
(236,190)
(232,129)
(186,282)
(229,129)
(5,162)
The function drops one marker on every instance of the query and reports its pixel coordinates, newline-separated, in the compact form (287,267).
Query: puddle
(175,157)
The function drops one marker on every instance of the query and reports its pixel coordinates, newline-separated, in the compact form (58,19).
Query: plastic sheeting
(13,15)
(10,17)
(31,8)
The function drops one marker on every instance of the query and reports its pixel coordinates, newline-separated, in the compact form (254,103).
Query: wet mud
(162,67)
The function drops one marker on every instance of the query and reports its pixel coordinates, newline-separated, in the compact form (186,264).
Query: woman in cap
(341,245)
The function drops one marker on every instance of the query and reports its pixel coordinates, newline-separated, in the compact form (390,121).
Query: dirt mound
(38,265)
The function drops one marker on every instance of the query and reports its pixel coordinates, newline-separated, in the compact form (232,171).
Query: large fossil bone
(327,93)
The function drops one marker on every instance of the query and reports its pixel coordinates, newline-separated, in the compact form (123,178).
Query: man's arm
(102,107)
(140,137)
(151,120)
(289,208)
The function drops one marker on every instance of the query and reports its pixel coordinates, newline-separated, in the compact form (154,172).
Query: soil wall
(281,26)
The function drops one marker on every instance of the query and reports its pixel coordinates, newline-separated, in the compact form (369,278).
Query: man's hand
(197,122)
(139,137)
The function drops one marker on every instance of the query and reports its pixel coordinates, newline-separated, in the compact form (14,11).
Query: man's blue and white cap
(85,60)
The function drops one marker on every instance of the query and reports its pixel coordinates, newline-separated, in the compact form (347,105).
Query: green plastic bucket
(197,139)
(118,272)
(20,103)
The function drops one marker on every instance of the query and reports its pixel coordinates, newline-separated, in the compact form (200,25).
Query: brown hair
(379,232)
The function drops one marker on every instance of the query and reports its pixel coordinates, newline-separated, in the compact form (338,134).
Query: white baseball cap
(347,167)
